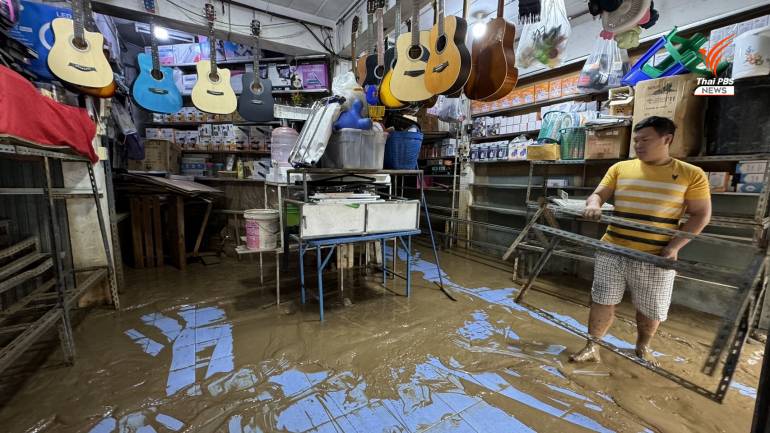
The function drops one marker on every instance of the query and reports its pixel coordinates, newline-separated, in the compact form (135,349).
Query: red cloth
(28,115)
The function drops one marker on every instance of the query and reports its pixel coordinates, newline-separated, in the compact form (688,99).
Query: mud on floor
(208,351)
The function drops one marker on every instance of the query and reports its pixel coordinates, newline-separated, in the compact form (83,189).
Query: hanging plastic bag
(604,67)
(345,85)
(545,41)
(450,109)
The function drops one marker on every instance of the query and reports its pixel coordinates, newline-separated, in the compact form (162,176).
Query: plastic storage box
(354,148)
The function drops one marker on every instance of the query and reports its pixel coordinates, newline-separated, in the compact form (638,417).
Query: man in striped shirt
(654,189)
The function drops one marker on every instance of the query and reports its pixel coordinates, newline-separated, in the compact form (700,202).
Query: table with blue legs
(322,259)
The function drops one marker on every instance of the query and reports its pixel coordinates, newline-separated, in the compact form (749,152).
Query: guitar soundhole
(214,77)
(157,74)
(415,52)
(379,71)
(79,43)
(441,43)
(256,88)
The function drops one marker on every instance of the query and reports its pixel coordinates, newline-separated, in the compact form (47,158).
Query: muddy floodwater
(208,351)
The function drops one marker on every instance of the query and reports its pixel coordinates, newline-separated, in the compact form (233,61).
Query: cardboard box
(751,177)
(569,85)
(719,181)
(528,95)
(622,101)
(542,92)
(607,143)
(749,187)
(554,89)
(673,97)
(531,126)
(751,167)
(159,155)
(543,152)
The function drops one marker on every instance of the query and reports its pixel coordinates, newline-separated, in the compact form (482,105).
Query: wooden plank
(157,233)
(202,230)
(21,263)
(136,232)
(21,246)
(149,251)
(176,232)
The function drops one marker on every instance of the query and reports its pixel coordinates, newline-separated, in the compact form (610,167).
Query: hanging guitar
(493,72)
(391,59)
(76,56)
(109,90)
(408,81)
(353,34)
(449,64)
(365,76)
(212,92)
(154,89)
(256,102)
(376,72)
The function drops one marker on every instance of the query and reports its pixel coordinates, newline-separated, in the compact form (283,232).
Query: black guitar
(255,103)
(375,66)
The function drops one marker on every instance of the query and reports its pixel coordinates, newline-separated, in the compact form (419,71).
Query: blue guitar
(154,88)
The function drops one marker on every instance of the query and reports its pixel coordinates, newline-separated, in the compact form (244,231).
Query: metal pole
(68,341)
(761,422)
(432,238)
(105,242)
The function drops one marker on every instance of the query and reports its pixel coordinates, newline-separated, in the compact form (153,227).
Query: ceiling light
(479,29)
(161,33)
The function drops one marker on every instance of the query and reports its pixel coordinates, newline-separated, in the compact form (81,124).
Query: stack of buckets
(262,229)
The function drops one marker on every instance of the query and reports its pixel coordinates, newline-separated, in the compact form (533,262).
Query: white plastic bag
(345,85)
(545,41)
(450,109)
(604,67)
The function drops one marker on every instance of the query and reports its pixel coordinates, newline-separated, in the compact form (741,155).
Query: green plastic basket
(573,142)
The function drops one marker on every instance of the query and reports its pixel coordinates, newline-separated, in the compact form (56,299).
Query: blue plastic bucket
(402,150)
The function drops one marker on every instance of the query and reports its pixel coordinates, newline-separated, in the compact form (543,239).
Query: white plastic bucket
(261,228)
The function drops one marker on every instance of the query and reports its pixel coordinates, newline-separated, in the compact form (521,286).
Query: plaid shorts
(650,285)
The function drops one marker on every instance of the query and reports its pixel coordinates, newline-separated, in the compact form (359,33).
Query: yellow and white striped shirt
(652,194)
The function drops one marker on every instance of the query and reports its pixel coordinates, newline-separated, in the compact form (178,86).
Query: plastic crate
(402,150)
(355,148)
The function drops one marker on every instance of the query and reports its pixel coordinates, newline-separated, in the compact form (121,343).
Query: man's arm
(594,202)
(700,215)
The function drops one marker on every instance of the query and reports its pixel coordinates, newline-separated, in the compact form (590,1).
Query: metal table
(321,262)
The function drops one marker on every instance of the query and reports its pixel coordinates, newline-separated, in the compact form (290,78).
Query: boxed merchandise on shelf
(159,155)
(744,167)
(543,152)
(751,177)
(607,142)
(735,30)
(554,89)
(719,181)
(542,92)
(673,97)
(750,187)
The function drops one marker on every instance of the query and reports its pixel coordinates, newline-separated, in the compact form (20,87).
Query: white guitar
(213,92)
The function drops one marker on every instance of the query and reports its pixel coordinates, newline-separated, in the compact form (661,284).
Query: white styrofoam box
(532,117)
(392,216)
(751,167)
(539,124)
(532,125)
(319,220)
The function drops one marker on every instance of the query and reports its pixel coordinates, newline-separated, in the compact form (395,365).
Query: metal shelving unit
(36,278)
(538,104)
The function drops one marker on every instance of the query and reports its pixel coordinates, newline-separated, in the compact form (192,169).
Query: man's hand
(593,213)
(670,252)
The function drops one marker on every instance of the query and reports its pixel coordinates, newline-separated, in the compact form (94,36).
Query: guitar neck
(397,28)
(370,28)
(77,18)
(415,22)
(500,7)
(380,39)
(154,49)
(440,17)
(212,49)
(353,54)
(88,17)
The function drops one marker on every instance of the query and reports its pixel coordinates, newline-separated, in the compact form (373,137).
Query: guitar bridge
(416,73)
(82,68)
(157,91)
(215,92)
(256,102)
(441,67)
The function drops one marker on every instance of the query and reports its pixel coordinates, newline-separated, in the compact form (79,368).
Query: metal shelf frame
(31,266)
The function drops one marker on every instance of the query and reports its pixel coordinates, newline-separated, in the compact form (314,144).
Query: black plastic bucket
(741,123)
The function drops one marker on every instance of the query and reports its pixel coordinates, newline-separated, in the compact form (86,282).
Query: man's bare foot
(590,353)
(645,353)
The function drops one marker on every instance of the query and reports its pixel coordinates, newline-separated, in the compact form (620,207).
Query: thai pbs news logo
(712,58)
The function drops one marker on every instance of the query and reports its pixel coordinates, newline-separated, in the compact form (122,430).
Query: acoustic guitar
(100,92)
(353,34)
(212,92)
(408,81)
(154,89)
(391,58)
(493,72)
(256,102)
(76,56)
(375,61)
(371,6)
(449,64)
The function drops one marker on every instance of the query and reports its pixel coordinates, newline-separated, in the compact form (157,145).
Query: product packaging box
(165,54)
(749,187)
(744,167)
(607,143)
(556,183)
(542,92)
(188,82)
(187,54)
(673,97)
(528,95)
(159,155)
(531,126)
(543,152)
(751,177)
(192,140)
(151,133)
(719,181)
(569,85)
(554,89)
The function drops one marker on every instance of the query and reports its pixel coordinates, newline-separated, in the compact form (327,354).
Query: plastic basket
(376,111)
(402,150)
(573,143)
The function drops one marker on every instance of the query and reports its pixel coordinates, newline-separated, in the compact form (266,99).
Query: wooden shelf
(538,104)
(503,136)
